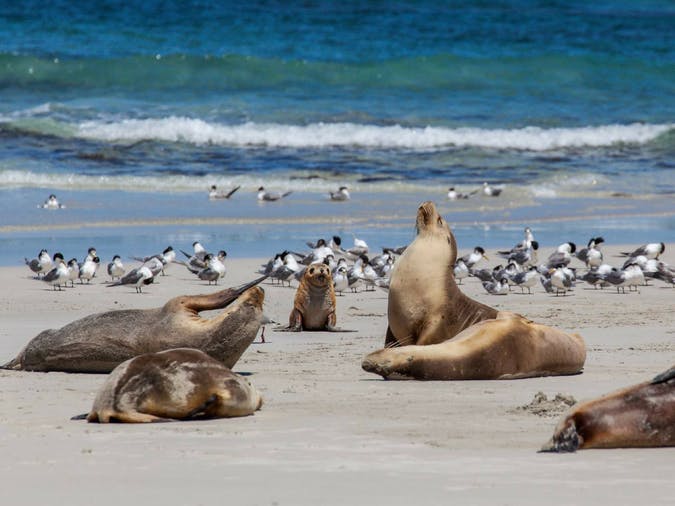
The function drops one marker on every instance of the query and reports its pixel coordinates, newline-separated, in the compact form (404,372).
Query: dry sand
(330,433)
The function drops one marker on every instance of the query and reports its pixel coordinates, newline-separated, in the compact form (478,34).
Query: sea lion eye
(311,271)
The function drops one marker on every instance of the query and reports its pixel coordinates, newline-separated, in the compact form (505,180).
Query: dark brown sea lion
(436,332)
(100,342)
(178,384)
(640,416)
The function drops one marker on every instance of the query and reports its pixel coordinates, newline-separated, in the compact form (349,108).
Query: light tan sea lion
(100,342)
(436,332)
(178,384)
(640,416)
(314,305)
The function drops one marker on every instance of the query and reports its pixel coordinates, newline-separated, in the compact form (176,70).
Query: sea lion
(640,416)
(100,342)
(435,332)
(178,384)
(314,305)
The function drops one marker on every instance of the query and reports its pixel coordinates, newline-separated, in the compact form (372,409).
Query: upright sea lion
(314,305)
(436,332)
(178,384)
(639,416)
(100,342)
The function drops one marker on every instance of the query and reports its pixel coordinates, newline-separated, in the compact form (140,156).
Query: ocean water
(129,111)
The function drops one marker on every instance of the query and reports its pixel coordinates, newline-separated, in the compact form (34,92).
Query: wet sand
(330,433)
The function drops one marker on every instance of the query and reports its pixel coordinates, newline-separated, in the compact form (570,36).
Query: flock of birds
(355,267)
(264,195)
(556,275)
(55,271)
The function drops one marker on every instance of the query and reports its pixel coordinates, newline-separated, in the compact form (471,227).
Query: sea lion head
(255,296)
(318,274)
(431,224)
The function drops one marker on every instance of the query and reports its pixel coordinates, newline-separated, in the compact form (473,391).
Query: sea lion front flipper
(218,300)
(330,328)
(136,417)
(564,440)
(200,411)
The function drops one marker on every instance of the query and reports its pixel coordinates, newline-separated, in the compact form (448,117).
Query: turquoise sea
(128,112)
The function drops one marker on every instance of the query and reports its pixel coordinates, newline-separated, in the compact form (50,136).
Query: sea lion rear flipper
(83,416)
(219,299)
(330,328)
(14,364)
(664,376)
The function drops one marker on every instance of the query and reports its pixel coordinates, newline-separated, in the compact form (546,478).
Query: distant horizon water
(129,111)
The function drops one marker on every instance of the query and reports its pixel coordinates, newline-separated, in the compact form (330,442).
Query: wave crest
(318,135)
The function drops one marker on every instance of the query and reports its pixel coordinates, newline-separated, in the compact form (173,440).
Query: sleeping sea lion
(436,332)
(99,342)
(178,384)
(639,416)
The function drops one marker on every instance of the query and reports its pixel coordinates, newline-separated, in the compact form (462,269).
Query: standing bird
(460,271)
(340,280)
(88,269)
(73,271)
(116,268)
(341,195)
(214,270)
(561,280)
(265,196)
(139,276)
(58,274)
(526,279)
(474,257)
(41,264)
(166,257)
(591,254)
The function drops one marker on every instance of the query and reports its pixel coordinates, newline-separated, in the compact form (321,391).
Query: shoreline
(325,421)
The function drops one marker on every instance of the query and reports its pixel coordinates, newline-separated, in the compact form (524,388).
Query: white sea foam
(318,135)
(181,183)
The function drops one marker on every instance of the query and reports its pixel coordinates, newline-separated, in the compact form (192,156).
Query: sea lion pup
(178,384)
(100,342)
(436,332)
(314,304)
(640,416)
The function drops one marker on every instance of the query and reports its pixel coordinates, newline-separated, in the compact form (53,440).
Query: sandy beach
(330,433)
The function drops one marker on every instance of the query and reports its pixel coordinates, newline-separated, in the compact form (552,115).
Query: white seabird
(41,264)
(455,195)
(215,194)
(265,196)
(52,203)
(491,191)
(341,195)
(651,250)
(116,268)
(139,276)
(474,257)
(58,274)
